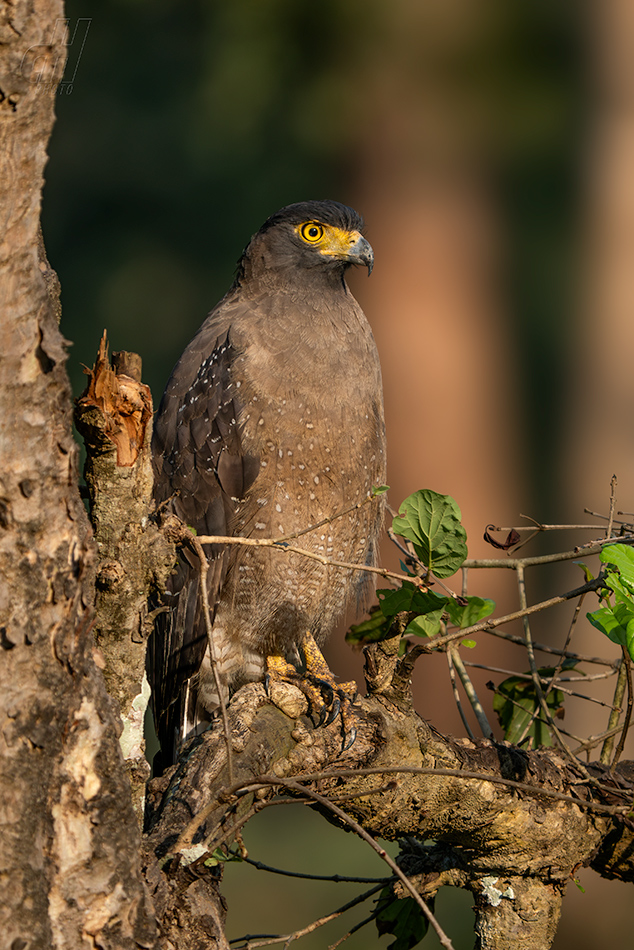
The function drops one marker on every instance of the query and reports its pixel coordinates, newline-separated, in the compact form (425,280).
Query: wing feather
(201,470)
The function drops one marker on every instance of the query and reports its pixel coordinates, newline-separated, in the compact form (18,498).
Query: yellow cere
(329,239)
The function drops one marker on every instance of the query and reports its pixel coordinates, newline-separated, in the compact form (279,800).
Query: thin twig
(489,625)
(470,690)
(547,679)
(214,841)
(593,741)
(263,781)
(538,526)
(204,570)
(608,530)
(404,545)
(560,662)
(536,717)
(354,930)
(593,547)
(615,714)
(521,585)
(280,544)
(252,943)
(545,648)
(254,809)
(456,694)
(552,725)
(543,695)
(628,711)
(332,878)
(362,833)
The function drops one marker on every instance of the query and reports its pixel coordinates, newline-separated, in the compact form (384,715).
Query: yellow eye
(311,232)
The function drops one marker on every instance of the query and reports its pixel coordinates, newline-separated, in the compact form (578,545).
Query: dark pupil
(313,232)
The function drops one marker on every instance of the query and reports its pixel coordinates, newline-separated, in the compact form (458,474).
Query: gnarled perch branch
(516,824)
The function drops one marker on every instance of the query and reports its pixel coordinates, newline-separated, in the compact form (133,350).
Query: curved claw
(326,700)
(327,690)
(348,739)
(332,711)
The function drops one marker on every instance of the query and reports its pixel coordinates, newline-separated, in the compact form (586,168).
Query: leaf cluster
(431,522)
(616,619)
(517,706)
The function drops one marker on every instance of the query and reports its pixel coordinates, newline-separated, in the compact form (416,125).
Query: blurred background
(490,148)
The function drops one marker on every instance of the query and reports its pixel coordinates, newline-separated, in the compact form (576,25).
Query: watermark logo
(45,64)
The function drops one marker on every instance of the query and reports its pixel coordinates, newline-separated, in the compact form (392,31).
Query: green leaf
(369,631)
(622,556)
(617,621)
(409,597)
(432,523)
(379,490)
(393,601)
(515,702)
(426,625)
(589,576)
(402,918)
(474,610)
(629,638)
(612,621)
(605,621)
(219,856)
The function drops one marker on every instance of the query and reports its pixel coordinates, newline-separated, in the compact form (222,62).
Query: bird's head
(312,237)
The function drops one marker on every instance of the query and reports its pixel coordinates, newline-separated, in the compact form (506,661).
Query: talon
(326,699)
(327,691)
(333,711)
(348,739)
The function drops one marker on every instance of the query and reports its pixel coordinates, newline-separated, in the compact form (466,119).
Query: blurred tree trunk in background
(598,438)
(425,188)
(600,428)
(436,300)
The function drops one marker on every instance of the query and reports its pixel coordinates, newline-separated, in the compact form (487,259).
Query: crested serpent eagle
(271,422)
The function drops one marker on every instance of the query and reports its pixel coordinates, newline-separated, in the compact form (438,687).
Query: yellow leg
(327,699)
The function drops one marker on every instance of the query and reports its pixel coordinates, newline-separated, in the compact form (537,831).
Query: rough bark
(114,417)
(70,873)
(70,869)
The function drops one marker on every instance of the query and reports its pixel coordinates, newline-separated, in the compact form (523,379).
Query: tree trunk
(70,843)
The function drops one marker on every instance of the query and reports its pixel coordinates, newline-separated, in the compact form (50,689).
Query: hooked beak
(348,246)
(361,253)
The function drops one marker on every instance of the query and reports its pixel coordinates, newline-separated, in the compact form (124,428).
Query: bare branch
(617,709)
(608,530)
(628,711)
(469,688)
